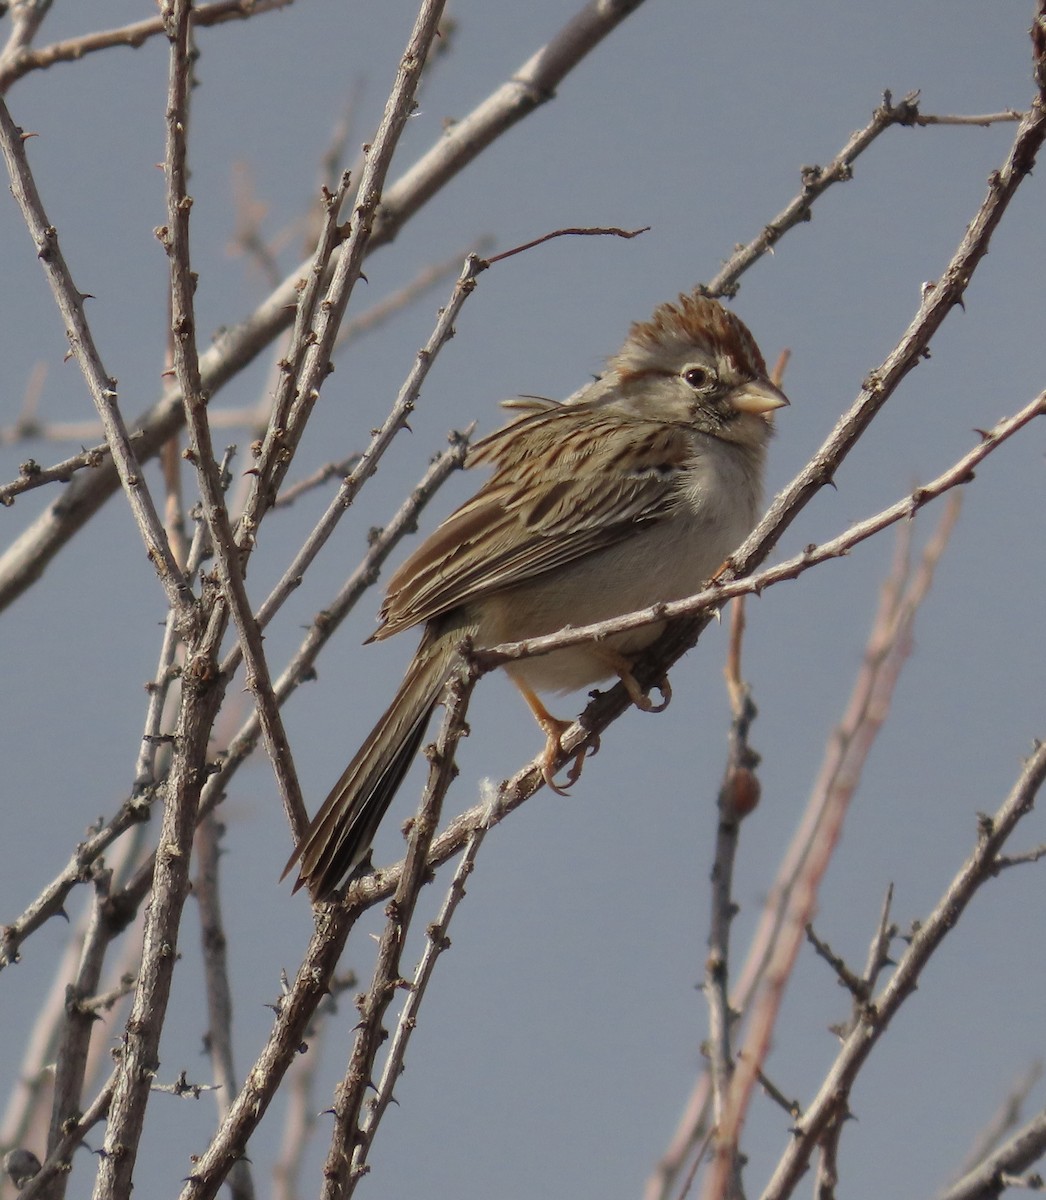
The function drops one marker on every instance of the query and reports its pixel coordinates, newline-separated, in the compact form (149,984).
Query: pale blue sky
(562,1031)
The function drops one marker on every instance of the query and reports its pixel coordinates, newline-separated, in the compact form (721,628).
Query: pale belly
(665,562)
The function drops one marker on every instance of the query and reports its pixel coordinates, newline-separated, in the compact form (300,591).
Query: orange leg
(553,729)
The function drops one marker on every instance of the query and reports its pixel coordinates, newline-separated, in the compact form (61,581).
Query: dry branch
(532,85)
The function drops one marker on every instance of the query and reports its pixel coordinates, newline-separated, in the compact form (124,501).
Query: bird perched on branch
(633,491)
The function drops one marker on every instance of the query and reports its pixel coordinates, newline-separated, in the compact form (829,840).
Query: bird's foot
(554,729)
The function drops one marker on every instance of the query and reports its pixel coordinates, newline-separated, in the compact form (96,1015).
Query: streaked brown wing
(532,515)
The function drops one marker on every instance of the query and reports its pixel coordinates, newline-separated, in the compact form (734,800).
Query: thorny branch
(70,302)
(1000,1169)
(888,647)
(19,61)
(189,762)
(29,426)
(351,1138)
(365,892)
(52,899)
(175,239)
(830,1103)
(530,86)
(713,597)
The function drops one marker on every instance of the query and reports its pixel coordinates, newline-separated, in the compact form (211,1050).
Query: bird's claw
(642,699)
(554,749)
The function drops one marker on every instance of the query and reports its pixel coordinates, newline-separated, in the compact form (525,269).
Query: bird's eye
(701,379)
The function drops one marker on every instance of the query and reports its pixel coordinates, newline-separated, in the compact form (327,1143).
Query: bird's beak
(758,396)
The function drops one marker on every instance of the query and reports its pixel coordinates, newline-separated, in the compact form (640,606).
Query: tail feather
(341,833)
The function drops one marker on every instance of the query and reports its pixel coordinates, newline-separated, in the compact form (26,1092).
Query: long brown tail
(341,833)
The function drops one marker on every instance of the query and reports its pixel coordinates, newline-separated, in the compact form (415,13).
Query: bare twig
(594,231)
(27,424)
(106,1001)
(790,902)
(436,941)
(815,182)
(350,1139)
(888,648)
(984,119)
(298,1123)
(71,1058)
(296,1010)
(332,470)
(66,1042)
(159,687)
(713,597)
(32,475)
(299,1092)
(879,947)
(533,84)
(1022,859)
(26,1117)
(319,331)
(737,795)
(1003,1122)
(830,1102)
(333,159)
(200,698)
(995,1173)
(26,18)
(14,65)
(273,443)
(246,238)
(175,239)
(395,302)
(201,692)
(845,975)
(58,1161)
(52,899)
(70,302)
(219,992)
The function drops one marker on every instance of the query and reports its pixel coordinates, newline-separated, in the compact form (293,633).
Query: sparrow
(632,491)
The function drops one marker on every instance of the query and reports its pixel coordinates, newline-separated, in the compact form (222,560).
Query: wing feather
(531,516)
